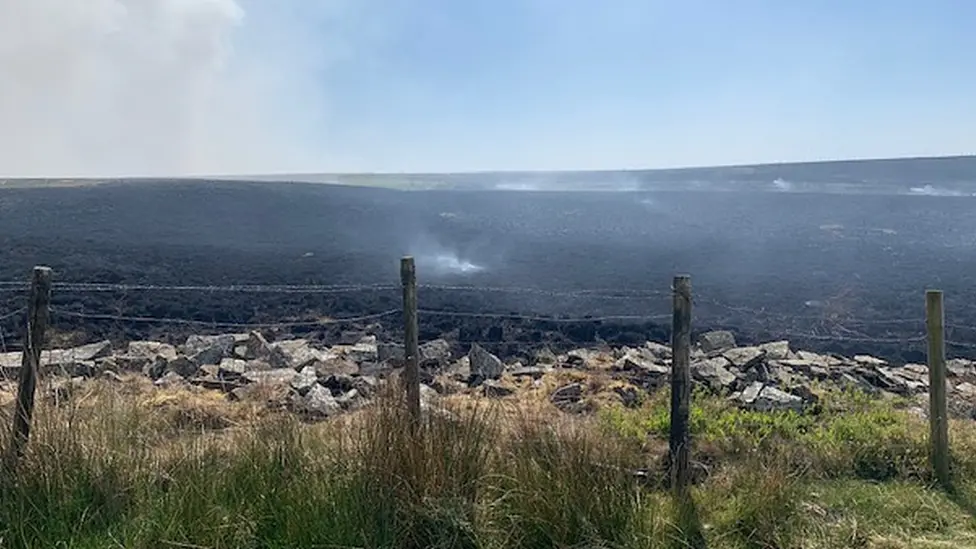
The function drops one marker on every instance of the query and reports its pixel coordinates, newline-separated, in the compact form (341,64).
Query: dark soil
(828,272)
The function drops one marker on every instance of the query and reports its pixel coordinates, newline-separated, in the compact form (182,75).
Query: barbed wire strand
(505,316)
(237,325)
(12,314)
(610,294)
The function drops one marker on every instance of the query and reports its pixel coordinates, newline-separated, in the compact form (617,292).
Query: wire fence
(801,326)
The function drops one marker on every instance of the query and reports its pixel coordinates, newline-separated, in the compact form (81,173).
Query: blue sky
(442,85)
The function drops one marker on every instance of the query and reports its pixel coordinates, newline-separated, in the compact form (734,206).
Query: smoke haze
(160,87)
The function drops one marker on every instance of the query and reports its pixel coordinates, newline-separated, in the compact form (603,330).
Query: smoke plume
(160,87)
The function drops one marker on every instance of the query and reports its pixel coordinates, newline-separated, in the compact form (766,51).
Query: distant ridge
(902,174)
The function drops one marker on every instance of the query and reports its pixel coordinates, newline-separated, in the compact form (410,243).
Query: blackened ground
(829,272)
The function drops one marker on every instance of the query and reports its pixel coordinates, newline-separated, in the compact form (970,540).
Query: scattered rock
(296,354)
(966,389)
(390,351)
(765,398)
(435,354)
(256,347)
(483,365)
(869,360)
(658,350)
(776,350)
(714,372)
(366,386)
(339,383)
(303,382)
(208,349)
(232,368)
(151,350)
(716,341)
(278,376)
(365,350)
(637,360)
(590,359)
(318,402)
(568,398)
(182,366)
(744,357)
(336,366)
(546,356)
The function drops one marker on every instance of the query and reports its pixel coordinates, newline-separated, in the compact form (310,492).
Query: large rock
(642,360)
(297,354)
(590,359)
(336,366)
(776,350)
(60,360)
(744,357)
(658,350)
(151,349)
(435,354)
(961,368)
(714,372)
(278,376)
(256,347)
(389,352)
(305,380)
(232,369)
(203,349)
(716,341)
(484,365)
(568,398)
(365,350)
(318,402)
(765,398)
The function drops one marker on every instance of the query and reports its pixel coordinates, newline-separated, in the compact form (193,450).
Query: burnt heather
(766,265)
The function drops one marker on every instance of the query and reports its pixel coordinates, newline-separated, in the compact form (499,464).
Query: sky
(195,87)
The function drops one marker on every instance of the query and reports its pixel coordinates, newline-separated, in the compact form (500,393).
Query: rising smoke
(161,87)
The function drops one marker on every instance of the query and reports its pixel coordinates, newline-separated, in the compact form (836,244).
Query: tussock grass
(130,465)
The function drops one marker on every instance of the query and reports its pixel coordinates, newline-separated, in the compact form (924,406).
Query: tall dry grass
(130,465)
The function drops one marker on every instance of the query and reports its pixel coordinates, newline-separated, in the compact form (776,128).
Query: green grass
(119,468)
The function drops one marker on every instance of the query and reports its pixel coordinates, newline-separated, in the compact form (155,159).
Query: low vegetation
(130,465)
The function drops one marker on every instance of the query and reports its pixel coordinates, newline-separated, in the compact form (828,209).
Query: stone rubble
(323,381)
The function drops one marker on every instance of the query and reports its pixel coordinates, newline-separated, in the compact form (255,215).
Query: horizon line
(502,171)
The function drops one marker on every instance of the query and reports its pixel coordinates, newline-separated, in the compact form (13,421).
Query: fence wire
(820,327)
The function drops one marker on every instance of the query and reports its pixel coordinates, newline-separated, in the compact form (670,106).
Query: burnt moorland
(834,272)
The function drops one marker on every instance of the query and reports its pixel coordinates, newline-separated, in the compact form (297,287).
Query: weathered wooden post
(37,318)
(938,413)
(680,383)
(408,278)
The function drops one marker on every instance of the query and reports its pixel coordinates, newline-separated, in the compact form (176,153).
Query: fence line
(827,331)
(681,316)
(237,325)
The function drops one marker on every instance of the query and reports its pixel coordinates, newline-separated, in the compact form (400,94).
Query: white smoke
(157,87)
(929,190)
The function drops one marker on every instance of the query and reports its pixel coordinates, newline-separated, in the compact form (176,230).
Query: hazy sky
(109,87)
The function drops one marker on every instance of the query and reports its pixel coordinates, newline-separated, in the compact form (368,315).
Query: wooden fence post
(408,278)
(37,318)
(680,383)
(938,414)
